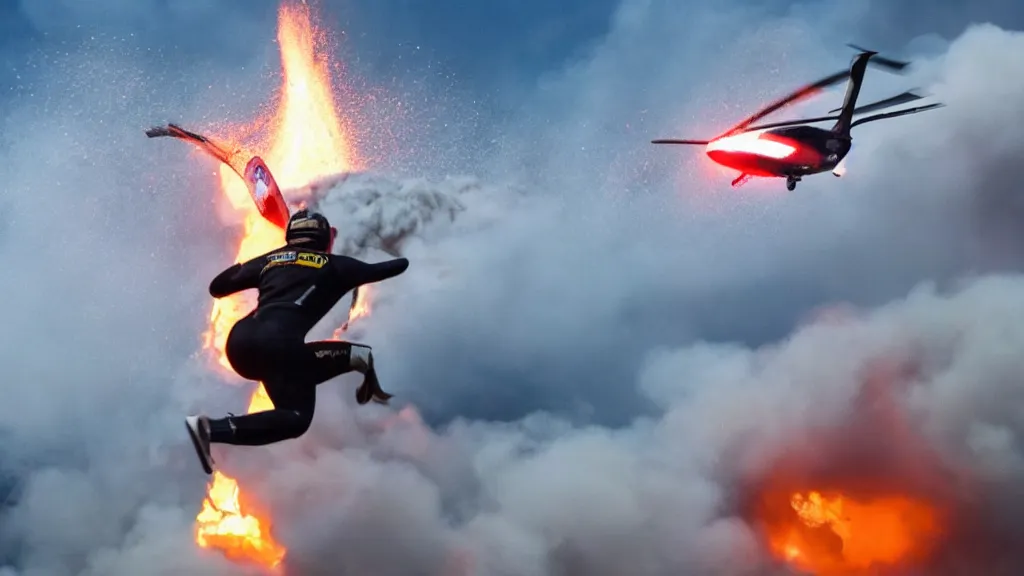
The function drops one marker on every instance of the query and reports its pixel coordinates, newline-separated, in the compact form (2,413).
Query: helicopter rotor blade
(802,93)
(675,141)
(909,96)
(798,122)
(889,63)
(897,114)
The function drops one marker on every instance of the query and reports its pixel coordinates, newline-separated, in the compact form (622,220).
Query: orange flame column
(307,141)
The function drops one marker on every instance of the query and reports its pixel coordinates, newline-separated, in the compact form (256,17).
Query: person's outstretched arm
(240,276)
(359,272)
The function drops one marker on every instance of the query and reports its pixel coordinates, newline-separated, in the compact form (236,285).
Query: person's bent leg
(327,359)
(294,400)
(257,429)
(256,352)
(260,428)
(332,358)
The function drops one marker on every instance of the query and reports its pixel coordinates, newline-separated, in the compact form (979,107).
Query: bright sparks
(307,141)
(835,535)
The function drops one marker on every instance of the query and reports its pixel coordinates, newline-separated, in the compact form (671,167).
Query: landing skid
(740,180)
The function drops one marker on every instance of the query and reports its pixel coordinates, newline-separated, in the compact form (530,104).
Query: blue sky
(475,64)
(488,46)
(485,45)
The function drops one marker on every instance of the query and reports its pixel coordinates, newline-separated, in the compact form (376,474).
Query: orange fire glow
(307,140)
(832,534)
(359,308)
(239,536)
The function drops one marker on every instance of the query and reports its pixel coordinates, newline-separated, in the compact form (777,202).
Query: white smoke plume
(601,360)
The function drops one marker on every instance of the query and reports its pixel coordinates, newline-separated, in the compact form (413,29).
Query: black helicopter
(793,149)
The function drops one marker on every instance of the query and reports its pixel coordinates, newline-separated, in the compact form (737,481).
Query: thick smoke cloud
(614,355)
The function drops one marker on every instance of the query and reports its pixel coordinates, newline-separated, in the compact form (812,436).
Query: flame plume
(868,497)
(307,140)
(833,534)
(222,525)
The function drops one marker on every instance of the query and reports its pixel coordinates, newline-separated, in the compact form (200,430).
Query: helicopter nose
(722,157)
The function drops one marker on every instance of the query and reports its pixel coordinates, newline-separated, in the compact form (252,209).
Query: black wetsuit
(297,287)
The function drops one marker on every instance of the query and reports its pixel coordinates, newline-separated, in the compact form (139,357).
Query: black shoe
(199,430)
(370,390)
